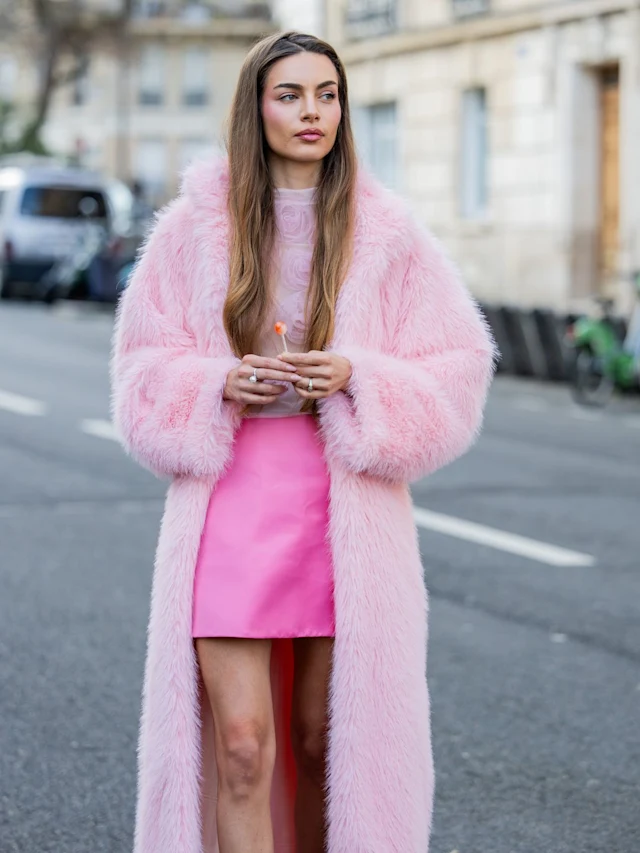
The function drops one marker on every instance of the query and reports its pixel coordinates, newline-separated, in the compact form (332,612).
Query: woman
(285,704)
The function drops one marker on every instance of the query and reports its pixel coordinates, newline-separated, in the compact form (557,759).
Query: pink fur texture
(422,364)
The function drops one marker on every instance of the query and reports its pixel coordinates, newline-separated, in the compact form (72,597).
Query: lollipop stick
(280,328)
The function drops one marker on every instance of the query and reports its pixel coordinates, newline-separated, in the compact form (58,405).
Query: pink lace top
(295,220)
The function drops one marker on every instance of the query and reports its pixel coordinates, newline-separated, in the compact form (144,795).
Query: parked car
(46,212)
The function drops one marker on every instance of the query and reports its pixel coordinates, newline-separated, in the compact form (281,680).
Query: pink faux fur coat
(422,363)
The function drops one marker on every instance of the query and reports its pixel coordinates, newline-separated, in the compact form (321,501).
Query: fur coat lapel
(380,234)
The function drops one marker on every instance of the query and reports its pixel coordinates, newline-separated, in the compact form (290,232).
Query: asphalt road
(534,661)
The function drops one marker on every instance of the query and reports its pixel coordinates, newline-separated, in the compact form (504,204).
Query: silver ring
(254,377)
(310,385)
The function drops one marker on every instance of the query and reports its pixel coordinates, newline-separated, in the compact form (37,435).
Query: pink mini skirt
(264,565)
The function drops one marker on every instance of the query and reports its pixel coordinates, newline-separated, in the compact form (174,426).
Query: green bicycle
(604,359)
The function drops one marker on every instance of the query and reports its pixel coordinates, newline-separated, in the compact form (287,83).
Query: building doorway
(594,132)
(609,224)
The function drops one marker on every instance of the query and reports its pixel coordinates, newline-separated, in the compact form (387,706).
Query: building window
(196,13)
(473,201)
(195,79)
(377,138)
(150,168)
(151,76)
(468,8)
(369,18)
(149,8)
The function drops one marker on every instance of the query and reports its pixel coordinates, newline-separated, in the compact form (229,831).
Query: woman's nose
(309,109)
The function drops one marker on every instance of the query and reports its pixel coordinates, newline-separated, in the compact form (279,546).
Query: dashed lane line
(19,405)
(512,543)
(99,429)
(542,552)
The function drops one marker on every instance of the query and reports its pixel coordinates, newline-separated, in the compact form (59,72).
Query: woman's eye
(286,97)
(330,95)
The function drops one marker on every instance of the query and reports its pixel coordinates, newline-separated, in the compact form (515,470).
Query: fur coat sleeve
(417,405)
(167,402)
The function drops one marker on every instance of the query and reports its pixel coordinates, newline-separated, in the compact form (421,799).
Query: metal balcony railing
(238,9)
(370,18)
(201,10)
(469,8)
(151,9)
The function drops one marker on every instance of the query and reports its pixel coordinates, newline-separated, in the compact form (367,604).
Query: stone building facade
(154,100)
(510,125)
(306,16)
(513,128)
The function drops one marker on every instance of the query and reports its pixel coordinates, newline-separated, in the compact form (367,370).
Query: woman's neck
(291,175)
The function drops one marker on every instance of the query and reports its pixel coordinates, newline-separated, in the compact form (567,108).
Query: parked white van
(44,214)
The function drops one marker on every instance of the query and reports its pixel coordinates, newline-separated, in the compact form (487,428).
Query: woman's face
(300,107)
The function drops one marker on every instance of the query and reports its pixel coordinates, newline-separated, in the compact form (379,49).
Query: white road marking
(20,405)
(100,429)
(531,404)
(542,552)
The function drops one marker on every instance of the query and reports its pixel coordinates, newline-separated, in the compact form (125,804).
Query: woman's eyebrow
(298,87)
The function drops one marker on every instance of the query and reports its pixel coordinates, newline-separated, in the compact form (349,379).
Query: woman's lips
(310,135)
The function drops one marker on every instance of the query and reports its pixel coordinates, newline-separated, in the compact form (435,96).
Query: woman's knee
(309,741)
(245,757)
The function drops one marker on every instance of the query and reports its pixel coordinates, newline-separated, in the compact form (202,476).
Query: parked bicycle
(605,358)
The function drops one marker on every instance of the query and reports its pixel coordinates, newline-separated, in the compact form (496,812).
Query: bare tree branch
(43,12)
(72,74)
(59,31)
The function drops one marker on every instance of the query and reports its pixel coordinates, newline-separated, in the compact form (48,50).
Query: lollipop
(281,329)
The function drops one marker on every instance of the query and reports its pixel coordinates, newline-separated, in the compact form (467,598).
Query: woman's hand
(239,388)
(329,371)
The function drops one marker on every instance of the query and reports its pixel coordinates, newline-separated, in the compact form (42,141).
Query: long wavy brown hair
(251,206)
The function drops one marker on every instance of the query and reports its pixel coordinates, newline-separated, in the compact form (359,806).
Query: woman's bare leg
(236,675)
(312,662)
